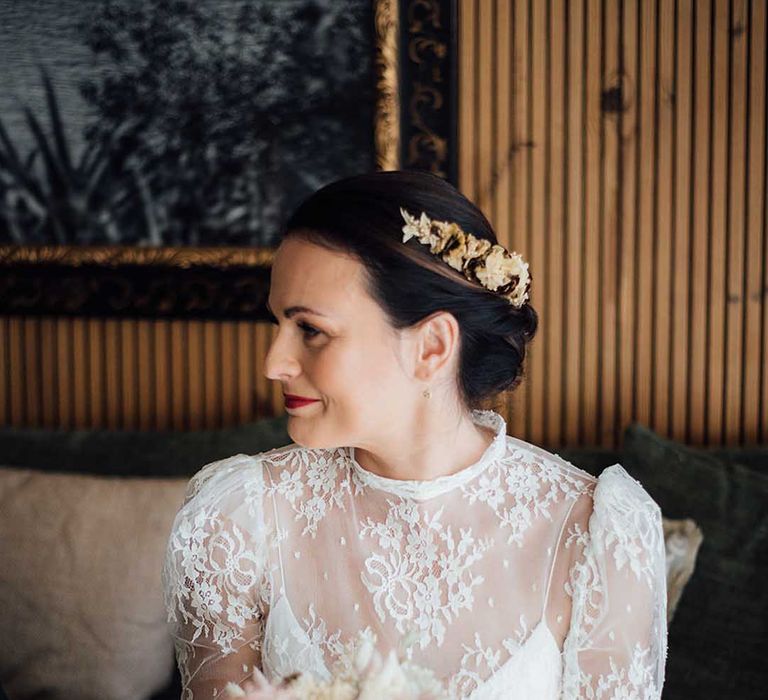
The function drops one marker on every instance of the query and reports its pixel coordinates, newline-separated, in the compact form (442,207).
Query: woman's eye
(308,330)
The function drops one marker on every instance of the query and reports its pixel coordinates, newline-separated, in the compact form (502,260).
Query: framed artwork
(151,149)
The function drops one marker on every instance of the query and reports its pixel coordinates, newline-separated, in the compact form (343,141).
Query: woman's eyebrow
(293,310)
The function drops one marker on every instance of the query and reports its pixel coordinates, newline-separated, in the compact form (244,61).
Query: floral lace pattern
(401,579)
(536,485)
(280,559)
(322,474)
(626,535)
(214,583)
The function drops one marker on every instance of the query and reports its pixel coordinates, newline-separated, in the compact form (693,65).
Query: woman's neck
(426,453)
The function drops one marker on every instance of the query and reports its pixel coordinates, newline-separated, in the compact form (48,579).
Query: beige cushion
(682,539)
(81,610)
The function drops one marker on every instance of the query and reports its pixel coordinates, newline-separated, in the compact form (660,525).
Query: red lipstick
(294,401)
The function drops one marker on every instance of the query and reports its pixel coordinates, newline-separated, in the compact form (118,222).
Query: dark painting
(177,122)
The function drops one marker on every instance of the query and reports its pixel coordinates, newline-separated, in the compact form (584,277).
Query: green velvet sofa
(71,500)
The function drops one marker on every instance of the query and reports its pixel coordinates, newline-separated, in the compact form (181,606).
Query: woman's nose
(279,362)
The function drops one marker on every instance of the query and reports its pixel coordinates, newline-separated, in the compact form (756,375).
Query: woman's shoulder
(615,498)
(229,472)
(626,515)
(620,499)
(624,526)
(217,474)
(551,467)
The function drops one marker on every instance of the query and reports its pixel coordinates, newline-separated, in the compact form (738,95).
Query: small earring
(426,393)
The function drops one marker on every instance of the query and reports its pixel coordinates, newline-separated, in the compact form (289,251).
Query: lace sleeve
(617,641)
(215,583)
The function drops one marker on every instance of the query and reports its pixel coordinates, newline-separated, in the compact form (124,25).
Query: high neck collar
(422,490)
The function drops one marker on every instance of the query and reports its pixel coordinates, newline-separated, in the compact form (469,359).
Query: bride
(401,508)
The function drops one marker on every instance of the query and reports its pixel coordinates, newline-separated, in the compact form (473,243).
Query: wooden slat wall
(134,374)
(645,229)
(620,146)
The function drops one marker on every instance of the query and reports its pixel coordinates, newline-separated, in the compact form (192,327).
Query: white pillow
(81,609)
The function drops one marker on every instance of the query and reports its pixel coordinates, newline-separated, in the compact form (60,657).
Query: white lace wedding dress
(520,576)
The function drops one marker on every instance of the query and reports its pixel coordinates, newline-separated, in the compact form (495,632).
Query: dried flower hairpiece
(479,260)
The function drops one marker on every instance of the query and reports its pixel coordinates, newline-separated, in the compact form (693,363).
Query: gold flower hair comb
(479,260)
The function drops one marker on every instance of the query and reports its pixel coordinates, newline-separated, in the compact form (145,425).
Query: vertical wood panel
(502,61)
(161,335)
(64,384)
(48,369)
(684,82)
(114,363)
(627,263)
(210,373)
(129,375)
(607,263)
(15,379)
(122,374)
(95,381)
(227,357)
(179,372)
(537,235)
(764,291)
(734,321)
(146,418)
(755,372)
(555,262)
(644,340)
(520,175)
(194,375)
(574,307)
(484,116)
(31,378)
(717,221)
(650,282)
(503,133)
(80,373)
(468,86)
(246,380)
(664,188)
(591,290)
(701,127)
(263,339)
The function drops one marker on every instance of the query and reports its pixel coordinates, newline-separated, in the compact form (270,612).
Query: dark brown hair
(360,215)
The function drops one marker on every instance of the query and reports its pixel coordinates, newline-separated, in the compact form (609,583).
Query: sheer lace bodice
(519,576)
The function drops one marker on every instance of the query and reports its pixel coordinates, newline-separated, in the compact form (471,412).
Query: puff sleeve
(215,577)
(616,646)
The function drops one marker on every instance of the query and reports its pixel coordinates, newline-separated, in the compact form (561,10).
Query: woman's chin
(301,433)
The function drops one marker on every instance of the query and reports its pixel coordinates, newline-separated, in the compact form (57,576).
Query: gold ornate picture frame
(414,126)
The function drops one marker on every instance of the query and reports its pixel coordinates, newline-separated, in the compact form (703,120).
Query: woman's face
(340,350)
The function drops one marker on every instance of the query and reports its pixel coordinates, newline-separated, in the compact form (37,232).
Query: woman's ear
(437,344)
